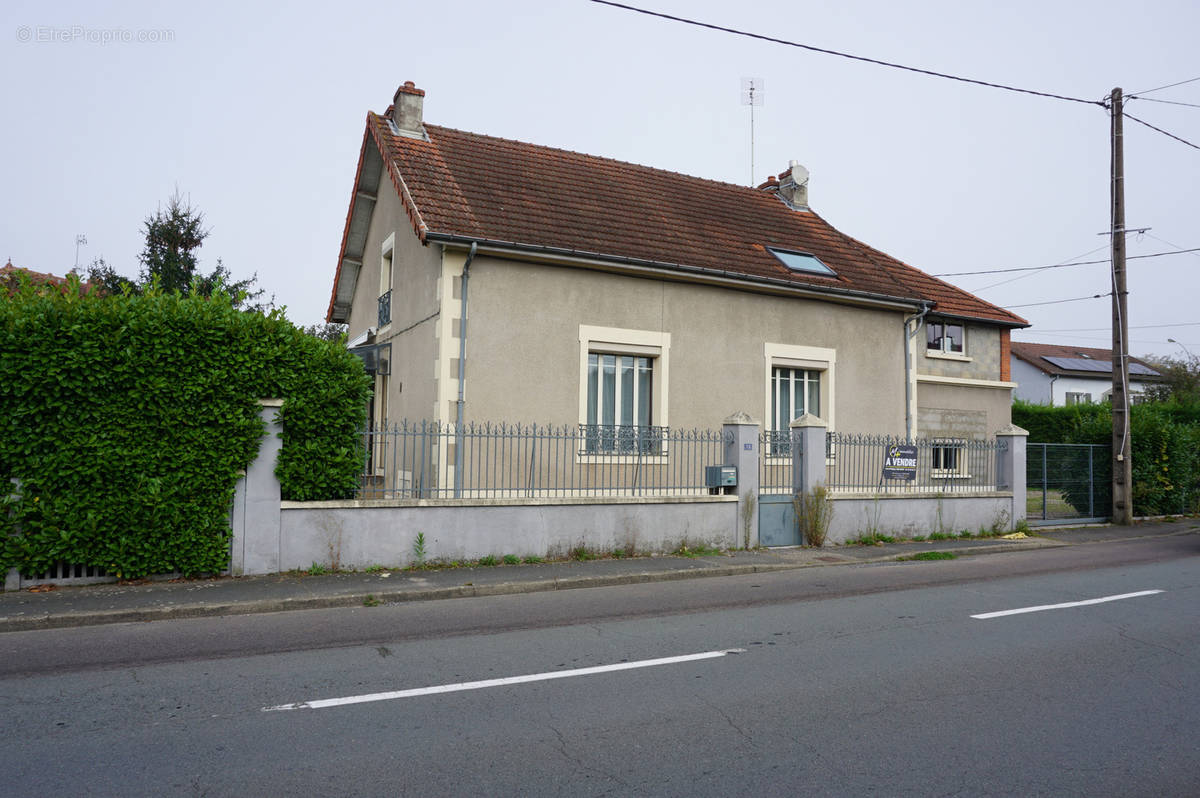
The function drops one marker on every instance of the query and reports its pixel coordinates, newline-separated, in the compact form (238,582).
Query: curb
(399,596)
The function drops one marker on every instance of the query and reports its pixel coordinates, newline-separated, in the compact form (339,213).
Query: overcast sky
(257,115)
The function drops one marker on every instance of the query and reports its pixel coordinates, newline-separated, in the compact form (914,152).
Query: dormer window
(802,262)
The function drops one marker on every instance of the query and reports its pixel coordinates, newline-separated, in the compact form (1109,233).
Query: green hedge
(1165,438)
(126,421)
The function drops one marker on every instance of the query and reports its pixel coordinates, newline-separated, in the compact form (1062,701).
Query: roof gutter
(660,268)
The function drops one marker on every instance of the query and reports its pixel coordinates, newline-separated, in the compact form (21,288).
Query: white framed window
(945,337)
(948,459)
(799,380)
(385,280)
(1078,398)
(623,390)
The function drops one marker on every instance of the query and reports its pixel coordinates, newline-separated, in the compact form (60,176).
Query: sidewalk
(151,601)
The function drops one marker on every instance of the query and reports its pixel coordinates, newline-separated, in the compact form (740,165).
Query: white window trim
(621,341)
(945,354)
(814,358)
(387,271)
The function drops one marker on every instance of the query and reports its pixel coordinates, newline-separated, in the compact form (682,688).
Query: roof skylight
(802,262)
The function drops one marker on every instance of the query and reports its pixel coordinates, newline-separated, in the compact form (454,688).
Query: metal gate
(776,514)
(1068,482)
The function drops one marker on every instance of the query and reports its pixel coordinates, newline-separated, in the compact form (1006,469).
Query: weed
(699,550)
(317,569)
(582,553)
(370,601)
(618,554)
(373,569)
(966,533)
(511,559)
(488,561)
(1000,522)
(932,555)
(419,549)
(918,538)
(875,539)
(1022,526)
(532,559)
(814,512)
(939,536)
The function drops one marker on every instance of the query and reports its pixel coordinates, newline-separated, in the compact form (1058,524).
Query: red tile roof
(480,187)
(8,277)
(1034,353)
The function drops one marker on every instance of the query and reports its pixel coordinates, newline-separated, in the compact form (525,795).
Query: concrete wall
(360,534)
(980,361)
(961,411)
(1033,385)
(908,517)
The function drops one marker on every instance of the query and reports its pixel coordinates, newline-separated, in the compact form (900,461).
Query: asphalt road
(865,680)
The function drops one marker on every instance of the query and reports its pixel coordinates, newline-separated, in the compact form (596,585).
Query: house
(1053,374)
(617,296)
(8,279)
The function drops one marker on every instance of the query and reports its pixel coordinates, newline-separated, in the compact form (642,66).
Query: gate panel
(1068,482)
(777,520)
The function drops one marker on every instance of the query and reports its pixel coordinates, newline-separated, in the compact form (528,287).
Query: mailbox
(720,476)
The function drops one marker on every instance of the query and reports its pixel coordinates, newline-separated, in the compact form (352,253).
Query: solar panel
(1098,366)
(1080,364)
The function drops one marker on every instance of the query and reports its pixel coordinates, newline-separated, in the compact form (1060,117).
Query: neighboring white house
(1051,374)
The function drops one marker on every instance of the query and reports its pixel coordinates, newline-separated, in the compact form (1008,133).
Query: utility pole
(1122,464)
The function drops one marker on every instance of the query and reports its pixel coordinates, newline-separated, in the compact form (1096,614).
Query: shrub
(125,422)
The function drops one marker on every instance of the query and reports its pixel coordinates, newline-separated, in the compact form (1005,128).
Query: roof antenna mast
(752,95)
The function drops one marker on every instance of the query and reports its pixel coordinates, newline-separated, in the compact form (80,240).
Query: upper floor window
(942,336)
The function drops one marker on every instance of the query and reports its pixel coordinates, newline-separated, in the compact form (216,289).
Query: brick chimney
(407,109)
(793,186)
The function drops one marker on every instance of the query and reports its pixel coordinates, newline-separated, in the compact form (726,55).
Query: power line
(1058,301)
(1142,122)
(1168,86)
(1133,327)
(1164,102)
(1063,265)
(1023,276)
(826,51)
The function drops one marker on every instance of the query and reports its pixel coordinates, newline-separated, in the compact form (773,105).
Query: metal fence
(425,459)
(855,464)
(1068,481)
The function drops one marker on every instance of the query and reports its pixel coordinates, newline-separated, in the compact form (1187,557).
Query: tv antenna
(752,95)
(80,239)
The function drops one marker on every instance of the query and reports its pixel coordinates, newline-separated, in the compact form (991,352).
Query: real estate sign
(900,462)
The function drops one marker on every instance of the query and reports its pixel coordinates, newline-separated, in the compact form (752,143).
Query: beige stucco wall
(523,348)
(415,283)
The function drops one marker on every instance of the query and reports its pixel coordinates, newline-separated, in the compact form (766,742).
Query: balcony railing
(385,308)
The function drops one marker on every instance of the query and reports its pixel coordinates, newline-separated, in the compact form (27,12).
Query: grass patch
(532,559)
(932,555)
(918,538)
(317,569)
(939,536)
(370,601)
(618,554)
(511,559)
(582,554)
(488,561)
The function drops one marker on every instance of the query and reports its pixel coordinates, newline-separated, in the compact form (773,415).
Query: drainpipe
(910,331)
(462,362)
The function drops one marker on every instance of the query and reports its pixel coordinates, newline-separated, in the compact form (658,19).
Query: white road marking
(530,677)
(1002,613)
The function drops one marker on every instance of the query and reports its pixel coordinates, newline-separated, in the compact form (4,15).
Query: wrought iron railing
(385,308)
(425,459)
(855,463)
